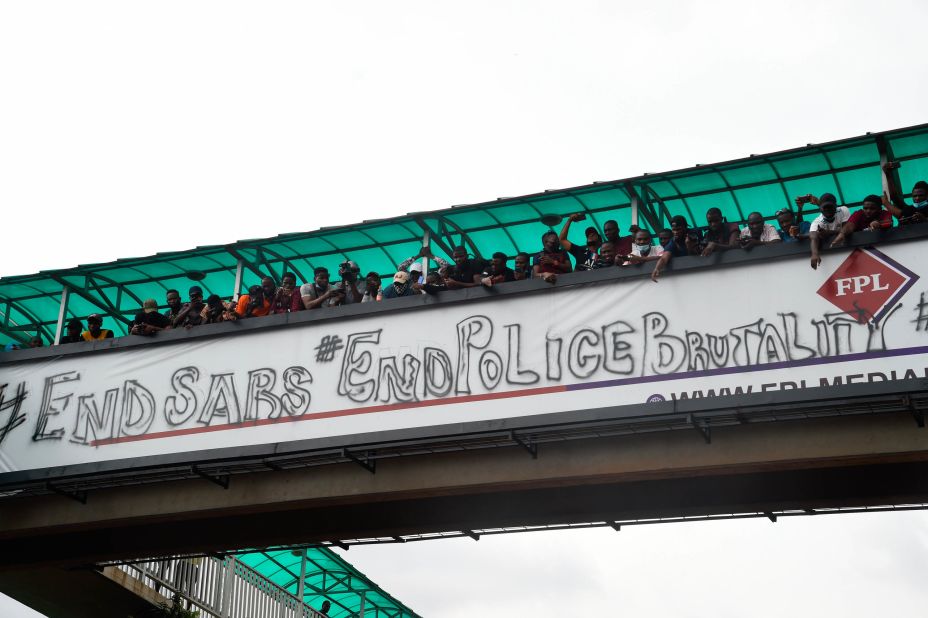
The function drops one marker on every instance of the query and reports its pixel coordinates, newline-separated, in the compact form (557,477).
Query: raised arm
(563,235)
(893,199)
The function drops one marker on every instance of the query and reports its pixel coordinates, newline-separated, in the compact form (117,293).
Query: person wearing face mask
(644,251)
(894,201)
(828,224)
(401,287)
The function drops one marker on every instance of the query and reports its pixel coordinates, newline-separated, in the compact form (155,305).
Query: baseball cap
(401,277)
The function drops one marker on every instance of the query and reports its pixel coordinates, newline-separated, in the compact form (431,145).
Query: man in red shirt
(285,298)
(871,217)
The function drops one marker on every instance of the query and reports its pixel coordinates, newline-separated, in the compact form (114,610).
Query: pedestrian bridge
(742,385)
(605,399)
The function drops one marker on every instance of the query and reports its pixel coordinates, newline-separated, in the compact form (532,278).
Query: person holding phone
(585,256)
(319,293)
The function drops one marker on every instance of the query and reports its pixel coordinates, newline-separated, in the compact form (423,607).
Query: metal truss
(532,440)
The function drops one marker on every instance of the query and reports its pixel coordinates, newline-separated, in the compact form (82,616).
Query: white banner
(742,329)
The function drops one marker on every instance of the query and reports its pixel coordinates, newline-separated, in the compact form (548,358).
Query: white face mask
(921,204)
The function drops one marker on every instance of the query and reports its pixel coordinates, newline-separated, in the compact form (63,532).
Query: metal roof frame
(106,292)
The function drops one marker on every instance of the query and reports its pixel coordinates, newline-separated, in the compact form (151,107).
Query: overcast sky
(131,128)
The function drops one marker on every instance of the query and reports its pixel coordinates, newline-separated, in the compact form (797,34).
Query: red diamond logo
(867,284)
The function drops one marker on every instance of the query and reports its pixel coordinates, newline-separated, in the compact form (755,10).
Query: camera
(349,271)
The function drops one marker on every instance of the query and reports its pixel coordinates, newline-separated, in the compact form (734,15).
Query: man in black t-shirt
(465,273)
(718,235)
(75,328)
(584,256)
(148,321)
(497,272)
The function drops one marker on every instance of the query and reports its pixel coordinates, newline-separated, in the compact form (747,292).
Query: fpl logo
(867,285)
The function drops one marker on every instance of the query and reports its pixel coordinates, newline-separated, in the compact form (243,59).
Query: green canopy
(327,576)
(849,168)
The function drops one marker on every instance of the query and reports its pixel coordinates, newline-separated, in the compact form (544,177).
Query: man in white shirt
(643,251)
(827,224)
(756,232)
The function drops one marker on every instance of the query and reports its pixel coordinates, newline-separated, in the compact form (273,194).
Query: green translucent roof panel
(849,168)
(327,576)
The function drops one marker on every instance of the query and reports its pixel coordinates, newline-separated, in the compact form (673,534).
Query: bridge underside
(863,451)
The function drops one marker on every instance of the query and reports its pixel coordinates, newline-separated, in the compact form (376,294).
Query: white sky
(131,128)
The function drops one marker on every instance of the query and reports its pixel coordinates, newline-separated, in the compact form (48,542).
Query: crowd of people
(832,226)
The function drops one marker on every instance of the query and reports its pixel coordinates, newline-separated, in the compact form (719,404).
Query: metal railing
(218,588)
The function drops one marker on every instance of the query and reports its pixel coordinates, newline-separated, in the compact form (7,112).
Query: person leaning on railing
(718,235)
(551,261)
(371,287)
(349,272)
(757,233)
(253,304)
(792,227)
(622,244)
(320,293)
(95,330)
(643,250)
(284,299)
(827,224)
(522,266)
(172,299)
(870,218)
(497,271)
(217,310)
(683,240)
(189,314)
(148,321)
(465,272)
(401,286)
(75,326)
